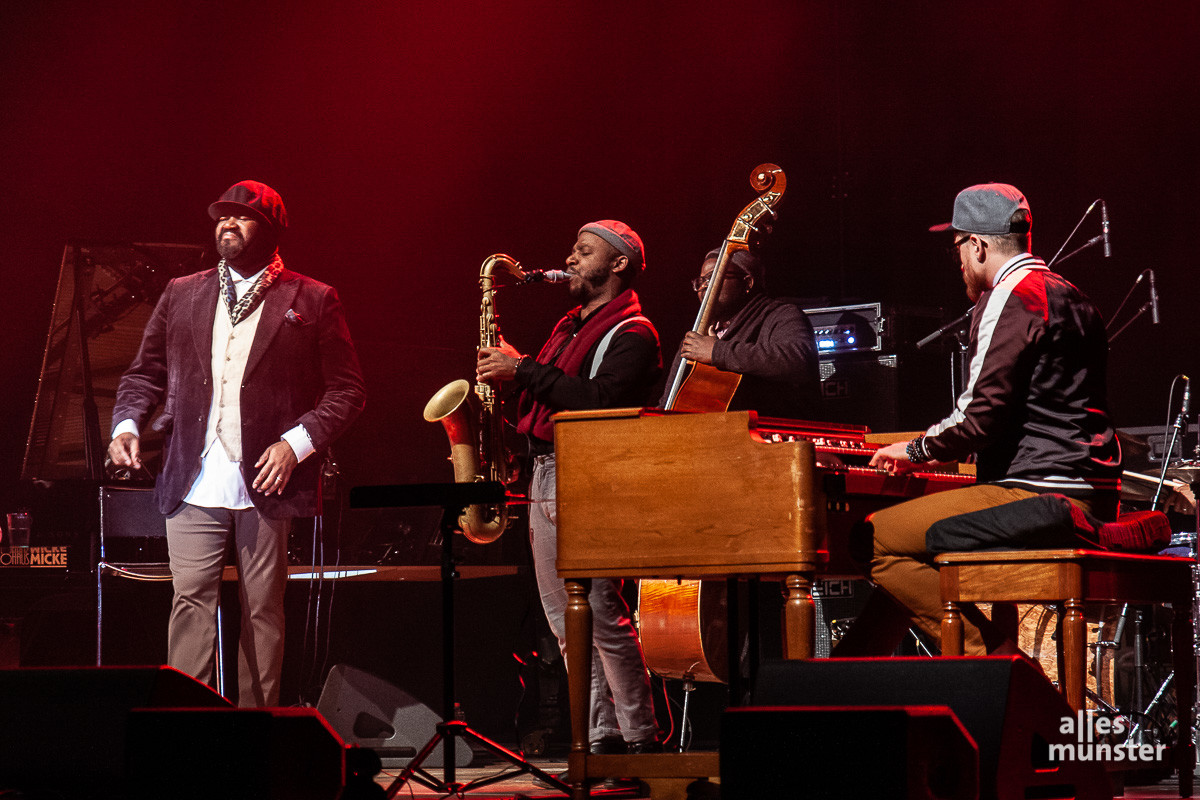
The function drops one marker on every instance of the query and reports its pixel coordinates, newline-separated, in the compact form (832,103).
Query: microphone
(547,275)
(1104,235)
(1187,397)
(1153,298)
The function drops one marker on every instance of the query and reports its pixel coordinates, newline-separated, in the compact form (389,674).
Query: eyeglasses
(952,249)
(700,284)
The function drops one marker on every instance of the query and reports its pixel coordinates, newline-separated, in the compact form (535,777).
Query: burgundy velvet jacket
(302,369)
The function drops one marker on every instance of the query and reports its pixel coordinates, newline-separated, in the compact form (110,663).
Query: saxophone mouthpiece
(547,275)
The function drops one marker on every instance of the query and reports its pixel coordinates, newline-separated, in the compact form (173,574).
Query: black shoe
(646,746)
(608,746)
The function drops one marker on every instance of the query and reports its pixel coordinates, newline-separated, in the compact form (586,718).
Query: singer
(1034,412)
(258,375)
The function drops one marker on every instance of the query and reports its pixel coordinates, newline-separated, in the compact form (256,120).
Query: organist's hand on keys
(894,458)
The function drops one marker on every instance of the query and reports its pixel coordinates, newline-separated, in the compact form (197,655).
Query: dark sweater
(771,344)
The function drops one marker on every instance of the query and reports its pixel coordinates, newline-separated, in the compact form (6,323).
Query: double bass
(703,387)
(682,623)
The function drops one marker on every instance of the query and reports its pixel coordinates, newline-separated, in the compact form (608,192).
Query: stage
(524,787)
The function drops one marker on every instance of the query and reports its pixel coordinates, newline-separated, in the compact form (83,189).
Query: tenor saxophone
(477,448)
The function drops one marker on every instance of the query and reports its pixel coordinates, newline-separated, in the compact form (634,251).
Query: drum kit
(1130,674)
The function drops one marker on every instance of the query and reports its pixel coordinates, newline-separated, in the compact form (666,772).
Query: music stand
(452,498)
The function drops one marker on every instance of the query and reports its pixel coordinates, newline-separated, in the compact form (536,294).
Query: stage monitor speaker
(368,711)
(911,752)
(233,754)
(1010,709)
(133,530)
(64,730)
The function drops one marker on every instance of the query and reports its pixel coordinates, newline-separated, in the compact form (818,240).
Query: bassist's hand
(698,348)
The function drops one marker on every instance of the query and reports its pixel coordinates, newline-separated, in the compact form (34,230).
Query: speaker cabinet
(371,712)
(1007,706)
(911,752)
(132,528)
(66,729)
(884,391)
(233,754)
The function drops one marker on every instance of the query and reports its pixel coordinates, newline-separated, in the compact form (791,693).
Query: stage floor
(523,786)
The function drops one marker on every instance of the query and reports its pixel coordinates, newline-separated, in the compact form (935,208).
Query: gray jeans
(621,704)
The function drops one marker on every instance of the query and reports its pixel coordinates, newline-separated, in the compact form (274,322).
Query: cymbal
(1188,472)
(1137,487)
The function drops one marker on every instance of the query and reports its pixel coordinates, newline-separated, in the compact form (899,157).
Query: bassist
(768,342)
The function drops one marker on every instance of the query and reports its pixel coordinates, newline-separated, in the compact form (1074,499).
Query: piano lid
(106,293)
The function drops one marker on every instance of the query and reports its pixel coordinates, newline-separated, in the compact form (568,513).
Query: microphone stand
(945,329)
(958,365)
(1145,306)
(1132,319)
(1090,242)
(1178,433)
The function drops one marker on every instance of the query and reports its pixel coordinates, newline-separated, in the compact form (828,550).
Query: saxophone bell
(452,406)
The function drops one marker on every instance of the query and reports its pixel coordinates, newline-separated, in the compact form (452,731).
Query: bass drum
(1037,638)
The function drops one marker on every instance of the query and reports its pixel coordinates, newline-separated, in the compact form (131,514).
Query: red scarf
(533,416)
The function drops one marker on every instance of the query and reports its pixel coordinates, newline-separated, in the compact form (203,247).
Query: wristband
(916,451)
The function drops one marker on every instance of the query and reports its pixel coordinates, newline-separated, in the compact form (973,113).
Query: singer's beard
(246,257)
(230,246)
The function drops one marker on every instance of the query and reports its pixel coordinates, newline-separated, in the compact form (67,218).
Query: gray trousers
(196,540)
(621,704)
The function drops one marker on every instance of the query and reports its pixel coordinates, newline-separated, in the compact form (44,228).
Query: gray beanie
(620,236)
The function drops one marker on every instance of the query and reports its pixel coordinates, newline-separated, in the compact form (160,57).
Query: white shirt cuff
(300,442)
(126,426)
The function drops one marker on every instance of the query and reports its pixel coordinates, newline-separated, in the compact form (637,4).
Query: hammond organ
(708,493)
(651,494)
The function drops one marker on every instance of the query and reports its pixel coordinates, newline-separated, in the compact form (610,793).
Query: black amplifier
(870,327)
(871,372)
(847,329)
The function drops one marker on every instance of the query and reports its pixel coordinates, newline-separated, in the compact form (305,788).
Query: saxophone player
(603,354)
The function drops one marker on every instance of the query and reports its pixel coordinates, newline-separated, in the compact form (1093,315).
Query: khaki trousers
(908,589)
(196,542)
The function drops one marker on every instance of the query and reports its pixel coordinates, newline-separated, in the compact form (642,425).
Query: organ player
(1034,412)
(582,367)
(769,342)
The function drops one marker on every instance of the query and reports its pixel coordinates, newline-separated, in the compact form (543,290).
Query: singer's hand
(277,463)
(126,451)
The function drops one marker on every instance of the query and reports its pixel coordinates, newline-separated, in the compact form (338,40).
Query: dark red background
(411,140)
